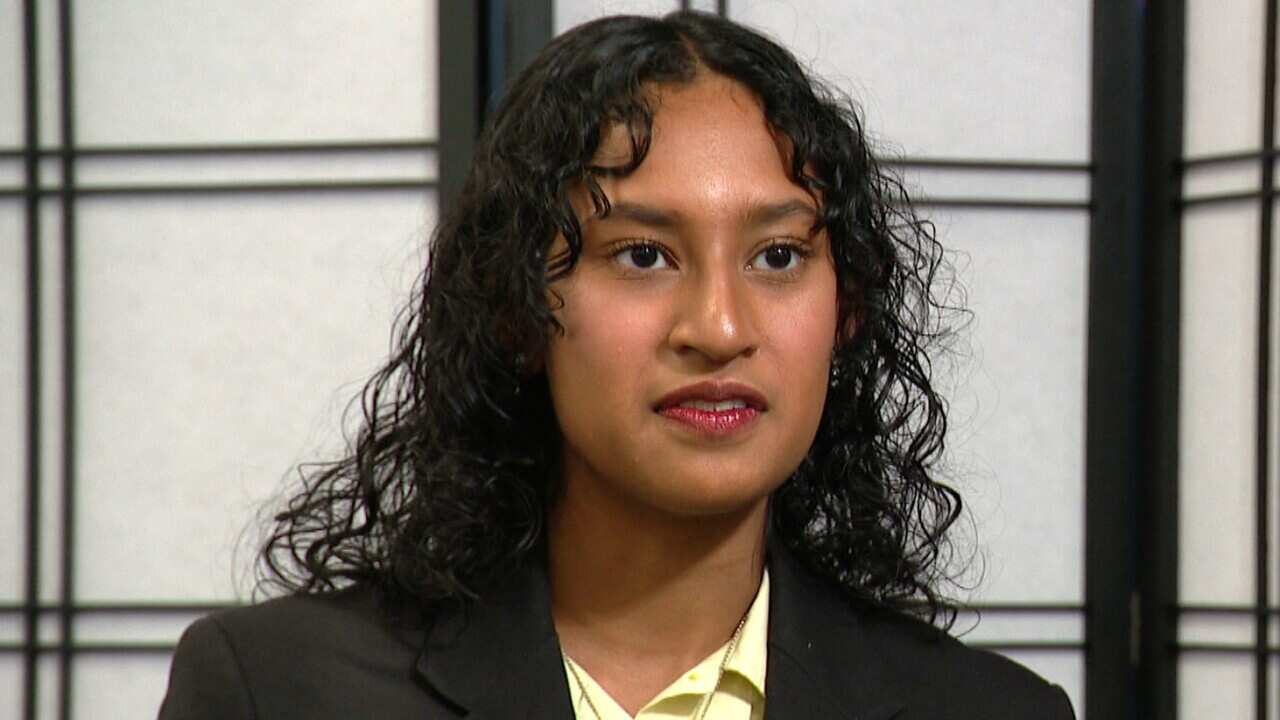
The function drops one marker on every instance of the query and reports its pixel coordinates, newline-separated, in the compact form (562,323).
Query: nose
(713,318)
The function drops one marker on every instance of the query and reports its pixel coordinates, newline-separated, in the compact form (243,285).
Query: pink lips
(714,422)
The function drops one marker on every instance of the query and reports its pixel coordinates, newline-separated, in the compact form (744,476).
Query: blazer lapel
(817,666)
(500,657)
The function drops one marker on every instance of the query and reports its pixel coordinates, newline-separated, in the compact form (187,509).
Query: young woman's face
(700,320)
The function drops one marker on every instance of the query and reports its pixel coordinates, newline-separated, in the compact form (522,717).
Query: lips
(713,408)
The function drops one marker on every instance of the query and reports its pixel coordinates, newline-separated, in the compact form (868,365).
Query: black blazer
(339,655)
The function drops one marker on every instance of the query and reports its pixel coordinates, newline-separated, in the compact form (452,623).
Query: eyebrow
(758,215)
(769,214)
(644,215)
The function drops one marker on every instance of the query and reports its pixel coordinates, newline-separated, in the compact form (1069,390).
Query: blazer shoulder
(947,674)
(206,678)
(323,618)
(313,656)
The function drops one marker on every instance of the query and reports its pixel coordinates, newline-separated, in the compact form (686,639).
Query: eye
(778,258)
(642,256)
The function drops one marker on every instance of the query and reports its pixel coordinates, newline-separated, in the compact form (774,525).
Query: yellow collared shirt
(739,697)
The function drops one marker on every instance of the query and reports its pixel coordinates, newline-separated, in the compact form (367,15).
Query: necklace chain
(700,712)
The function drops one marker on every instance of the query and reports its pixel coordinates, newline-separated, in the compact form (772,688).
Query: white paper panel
(982,78)
(277,167)
(11,685)
(1223,87)
(996,184)
(118,687)
(1065,668)
(1273,683)
(50,171)
(1217,430)
(194,71)
(1024,626)
(221,339)
(709,6)
(12,630)
(12,174)
(47,687)
(132,627)
(13,412)
(11,75)
(1214,685)
(49,629)
(1016,444)
(50,73)
(13,69)
(575,12)
(1216,629)
(1202,180)
(51,391)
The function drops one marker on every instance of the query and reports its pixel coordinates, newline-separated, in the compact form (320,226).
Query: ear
(849,327)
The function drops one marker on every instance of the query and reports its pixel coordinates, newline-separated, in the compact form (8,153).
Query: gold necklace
(700,712)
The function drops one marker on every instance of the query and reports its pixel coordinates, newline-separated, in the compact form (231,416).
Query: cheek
(806,334)
(804,337)
(606,340)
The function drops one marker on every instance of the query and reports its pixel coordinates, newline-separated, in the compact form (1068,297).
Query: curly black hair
(445,489)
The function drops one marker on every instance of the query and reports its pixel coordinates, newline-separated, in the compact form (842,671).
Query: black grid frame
(1131,607)
(1157,506)
(1264,611)
(35,409)
(1263,617)
(66,153)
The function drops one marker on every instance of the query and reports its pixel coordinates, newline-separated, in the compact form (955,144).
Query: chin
(712,497)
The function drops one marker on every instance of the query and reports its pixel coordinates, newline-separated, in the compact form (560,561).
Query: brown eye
(778,258)
(642,256)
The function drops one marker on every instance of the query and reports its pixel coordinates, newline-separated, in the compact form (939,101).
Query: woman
(657,439)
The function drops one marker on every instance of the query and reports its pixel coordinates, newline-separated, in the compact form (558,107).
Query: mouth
(713,408)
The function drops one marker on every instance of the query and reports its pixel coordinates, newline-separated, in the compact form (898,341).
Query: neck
(644,589)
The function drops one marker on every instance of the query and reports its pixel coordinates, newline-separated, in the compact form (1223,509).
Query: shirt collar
(751,656)
(749,659)
(748,662)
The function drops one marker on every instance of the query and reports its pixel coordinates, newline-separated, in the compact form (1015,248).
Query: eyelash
(800,250)
(631,244)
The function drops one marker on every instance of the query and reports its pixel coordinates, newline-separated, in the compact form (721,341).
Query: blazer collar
(500,657)
(820,663)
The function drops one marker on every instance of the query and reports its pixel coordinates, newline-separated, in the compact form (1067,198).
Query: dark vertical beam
(483,46)
(67,570)
(1114,396)
(493,54)
(722,8)
(31,162)
(530,25)
(459,25)
(1158,498)
(1262,500)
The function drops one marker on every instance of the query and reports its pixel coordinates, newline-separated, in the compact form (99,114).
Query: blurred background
(210,212)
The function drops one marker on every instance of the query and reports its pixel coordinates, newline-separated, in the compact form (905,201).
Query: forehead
(711,149)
